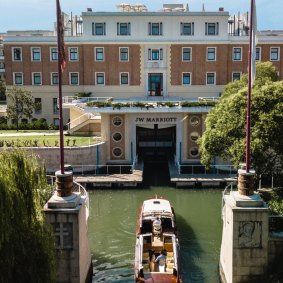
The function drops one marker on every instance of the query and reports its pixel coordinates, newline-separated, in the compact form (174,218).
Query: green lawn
(27,131)
(48,140)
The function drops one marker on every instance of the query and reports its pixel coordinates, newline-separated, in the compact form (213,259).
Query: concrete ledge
(247,201)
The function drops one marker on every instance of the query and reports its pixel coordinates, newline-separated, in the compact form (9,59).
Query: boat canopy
(156,205)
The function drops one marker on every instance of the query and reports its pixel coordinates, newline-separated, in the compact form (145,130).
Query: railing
(135,161)
(79,120)
(193,169)
(51,180)
(83,100)
(228,189)
(208,99)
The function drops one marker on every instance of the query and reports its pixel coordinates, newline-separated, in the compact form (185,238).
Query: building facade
(170,56)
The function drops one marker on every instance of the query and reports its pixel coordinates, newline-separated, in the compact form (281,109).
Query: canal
(112,224)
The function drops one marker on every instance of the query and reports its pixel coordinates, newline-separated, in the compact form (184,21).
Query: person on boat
(161,261)
(157,226)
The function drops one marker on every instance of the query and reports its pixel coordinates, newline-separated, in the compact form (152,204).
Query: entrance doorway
(155,84)
(156,141)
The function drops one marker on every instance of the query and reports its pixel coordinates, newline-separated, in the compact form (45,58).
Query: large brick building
(173,55)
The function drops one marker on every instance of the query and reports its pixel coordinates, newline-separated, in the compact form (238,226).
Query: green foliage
(27,250)
(2,90)
(276,202)
(226,124)
(20,104)
(83,94)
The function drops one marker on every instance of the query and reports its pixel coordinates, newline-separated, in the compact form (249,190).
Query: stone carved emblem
(250,233)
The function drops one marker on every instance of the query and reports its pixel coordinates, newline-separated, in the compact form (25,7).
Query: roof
(156,205)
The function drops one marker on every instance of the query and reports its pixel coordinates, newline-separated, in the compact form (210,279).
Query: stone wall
(75,155)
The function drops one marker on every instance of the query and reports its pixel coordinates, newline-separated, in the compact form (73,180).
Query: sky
(40,14)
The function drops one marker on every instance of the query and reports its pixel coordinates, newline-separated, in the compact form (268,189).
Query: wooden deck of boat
(157,277)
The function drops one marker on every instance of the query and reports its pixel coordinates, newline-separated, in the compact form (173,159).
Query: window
(117,151)
(38,105)
(237,53)
(124,78)
(18,78)
(99,78)
(210,78)
(123,28)
(186,80)
(74,78)
(55,105)
(56,122)
(124,54)
(211,54)
(117,136)
(187,54)
(98,28)
(187,28)
(117,121)
(54,79)
(274,53)
(53,54)
(73,54)
(236,76)
(99,54)
(194,121)
(258,54)
(194,152)
(36,79)
(35,54)
(211,28)
(194,136)
(155,54)
(17,53)
(155,28)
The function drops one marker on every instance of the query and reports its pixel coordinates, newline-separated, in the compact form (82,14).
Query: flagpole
(248,121)
(59,42)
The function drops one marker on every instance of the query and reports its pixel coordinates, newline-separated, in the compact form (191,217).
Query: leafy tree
(226,123)
(20,104)
(27,250)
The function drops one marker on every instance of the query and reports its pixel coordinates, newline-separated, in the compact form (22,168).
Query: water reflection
(112,225)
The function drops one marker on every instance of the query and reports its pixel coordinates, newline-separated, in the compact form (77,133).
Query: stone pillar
(67,212)
(244,247)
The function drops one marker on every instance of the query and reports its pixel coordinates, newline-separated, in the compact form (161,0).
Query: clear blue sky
(40,14)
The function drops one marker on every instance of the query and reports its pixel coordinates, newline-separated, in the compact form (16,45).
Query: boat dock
(135,179)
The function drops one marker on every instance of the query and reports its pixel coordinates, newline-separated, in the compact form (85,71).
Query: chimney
(221,9)
(89,9)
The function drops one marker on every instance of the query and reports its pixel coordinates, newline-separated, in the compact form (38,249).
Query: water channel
(112,224)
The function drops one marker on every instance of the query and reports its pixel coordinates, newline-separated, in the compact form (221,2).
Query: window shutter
(217,28)
(104,28)
(92,28)
(181,28)
(193,28)
(149,53)
(118,30)
(161,53)
(149,28)
(205,28)
(161,31)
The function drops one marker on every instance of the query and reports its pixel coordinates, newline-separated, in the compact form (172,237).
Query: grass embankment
(45,138)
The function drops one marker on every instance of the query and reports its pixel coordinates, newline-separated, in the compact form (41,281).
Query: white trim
(103,53)
(103,78)
(236,73)
(183,78)
(233,52)
(214,78)
(69,52)
(215,54)
(32,78)
(70,76)
(278,54)
(51,78)
(31,54)
(120,54)
(13,59)
(191,54)
(14,80)
(120,76)
(50,53)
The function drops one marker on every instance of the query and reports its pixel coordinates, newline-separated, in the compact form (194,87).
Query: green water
(112,224)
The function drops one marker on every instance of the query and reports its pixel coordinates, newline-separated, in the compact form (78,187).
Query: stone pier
(244,247)
(67,212)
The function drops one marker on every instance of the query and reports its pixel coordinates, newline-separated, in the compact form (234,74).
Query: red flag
(60,34)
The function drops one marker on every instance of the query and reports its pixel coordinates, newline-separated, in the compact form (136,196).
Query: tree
(2,90)
(20,104)
(27,246)
(226,123)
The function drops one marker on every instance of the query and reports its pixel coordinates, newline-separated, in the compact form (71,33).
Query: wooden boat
(156,235)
